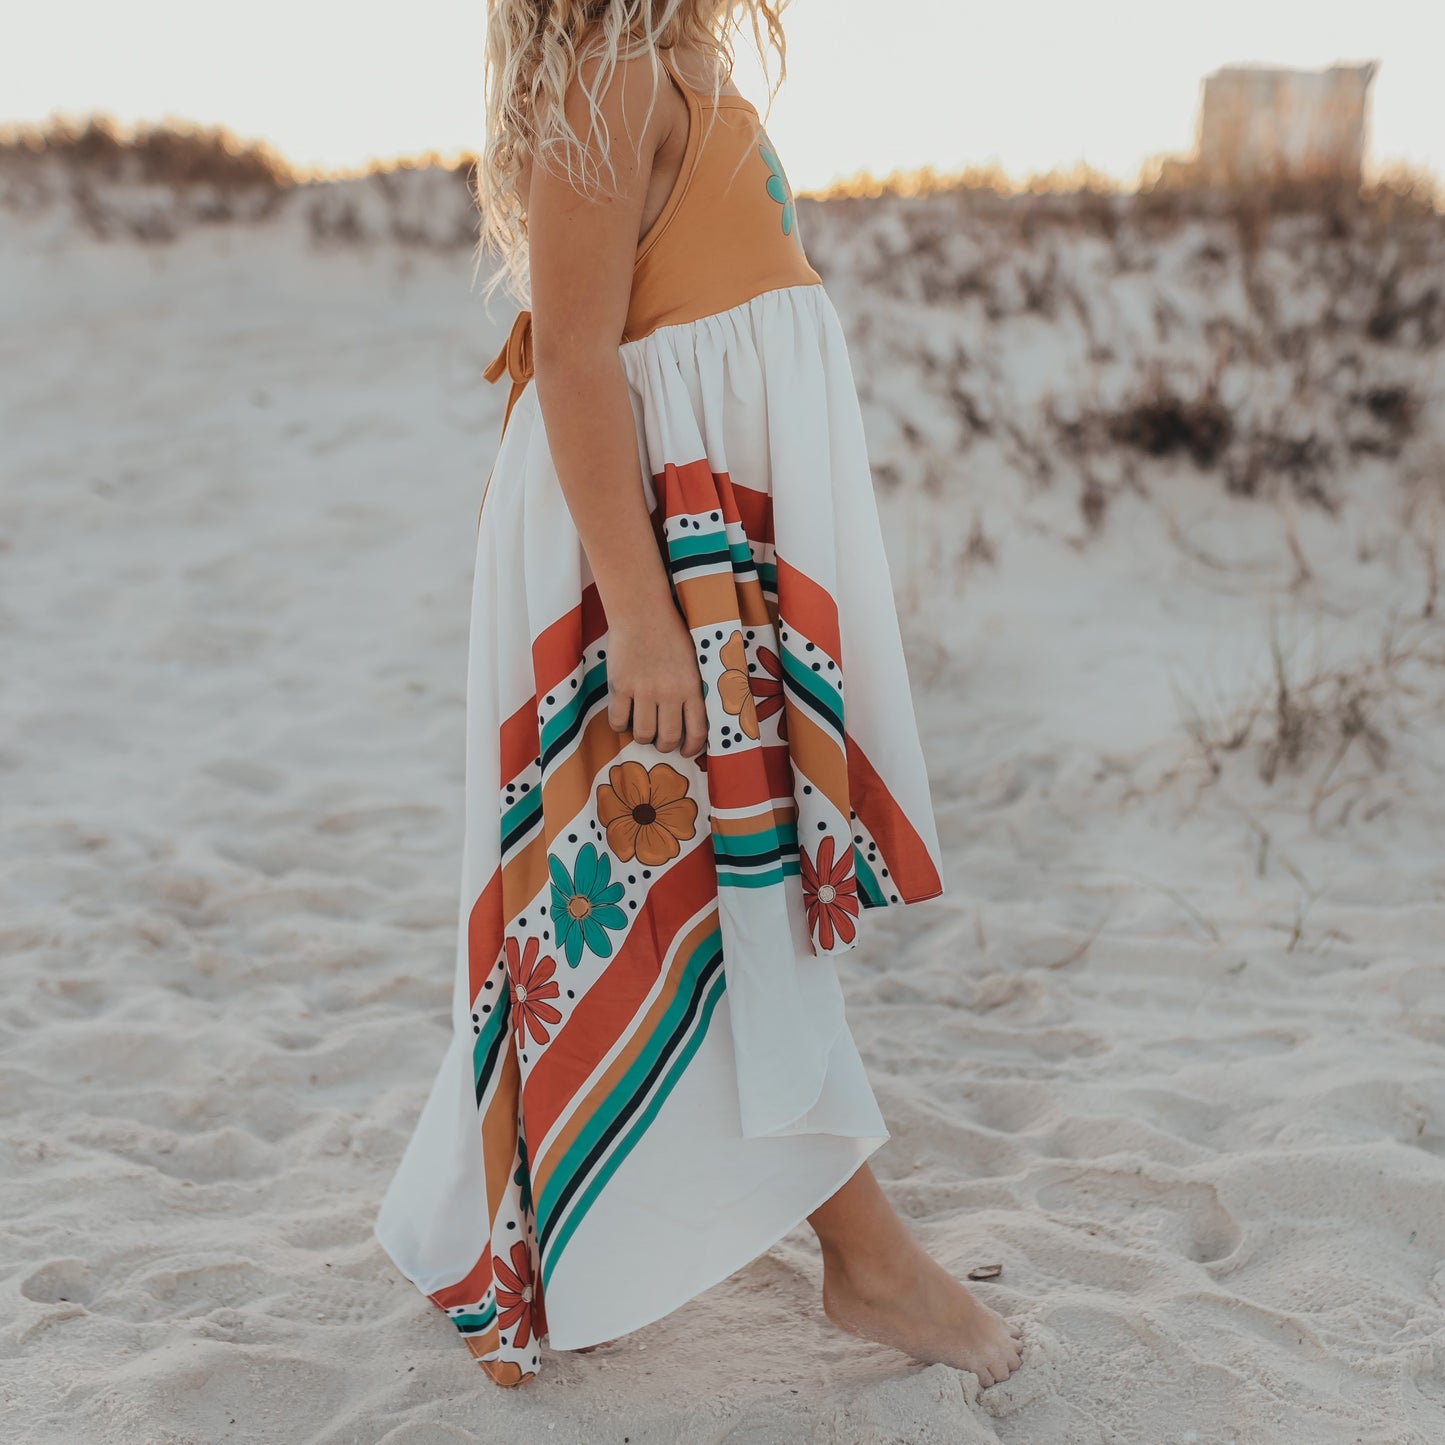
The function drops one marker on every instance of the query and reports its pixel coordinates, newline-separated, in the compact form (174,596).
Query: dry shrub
(1268,457)
(1310,718)
(170,153)
(1395,406)
(1162,423)
(923,181)
(1396,193)
(1400,319)
(1164,192)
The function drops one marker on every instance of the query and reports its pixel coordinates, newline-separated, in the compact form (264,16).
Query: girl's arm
(581,252)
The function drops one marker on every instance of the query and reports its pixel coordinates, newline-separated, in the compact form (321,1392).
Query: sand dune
(1171,1049)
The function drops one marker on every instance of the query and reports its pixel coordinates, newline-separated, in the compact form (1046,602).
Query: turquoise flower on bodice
(778,187)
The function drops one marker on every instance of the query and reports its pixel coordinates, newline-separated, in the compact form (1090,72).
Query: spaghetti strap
(670,67)
(700,100)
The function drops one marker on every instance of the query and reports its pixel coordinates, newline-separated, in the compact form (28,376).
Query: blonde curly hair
(534,50)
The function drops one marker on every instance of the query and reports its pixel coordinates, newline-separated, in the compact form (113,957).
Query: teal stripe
(749,845)
(639,1127)
(617,1100)
(696,542)
(566,718)
(806,680)
(742,555)
(870,894)
(768,575)
(757,877)
(470,1324)
(493,1024)
(516,819)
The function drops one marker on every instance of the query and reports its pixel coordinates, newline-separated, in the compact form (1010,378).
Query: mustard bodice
(727,232)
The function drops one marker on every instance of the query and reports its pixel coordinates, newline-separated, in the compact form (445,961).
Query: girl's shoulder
(633,108)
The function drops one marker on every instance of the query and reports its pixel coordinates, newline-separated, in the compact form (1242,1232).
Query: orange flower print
(646,811)
(735,687)
(519,1302)
(532,985)
(831,892)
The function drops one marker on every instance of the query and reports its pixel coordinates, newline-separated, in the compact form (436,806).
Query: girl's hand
(653,683)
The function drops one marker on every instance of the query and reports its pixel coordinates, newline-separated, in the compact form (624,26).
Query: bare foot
(918,1307)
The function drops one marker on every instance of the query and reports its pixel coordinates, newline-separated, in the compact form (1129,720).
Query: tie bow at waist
(515,360)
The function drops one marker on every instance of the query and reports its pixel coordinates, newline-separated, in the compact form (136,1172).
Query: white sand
(1171,1049)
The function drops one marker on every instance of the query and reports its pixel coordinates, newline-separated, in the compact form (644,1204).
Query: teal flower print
(584,903)
(778,187)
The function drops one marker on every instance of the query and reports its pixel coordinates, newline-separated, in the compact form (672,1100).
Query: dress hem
(612,1333)
(875,1142)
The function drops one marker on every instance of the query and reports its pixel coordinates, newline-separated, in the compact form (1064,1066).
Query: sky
(872,85)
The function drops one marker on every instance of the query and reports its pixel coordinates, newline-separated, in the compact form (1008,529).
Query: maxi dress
(651,1078)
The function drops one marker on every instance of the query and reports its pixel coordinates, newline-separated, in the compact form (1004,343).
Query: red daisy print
(831,892)
(519,1301)
(532,985)
(768,691)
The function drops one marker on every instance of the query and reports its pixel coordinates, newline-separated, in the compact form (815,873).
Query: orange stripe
(689,488)
(569,785)
(558,649)
(819,757)
(910,865)
(484,934)
(521,741)
(470,1290)
(605,1010)
(695,487)
(524,873)
(720,597)
(542,1168)
(806,605)
(753,509)
(499,1129)
(756,823)
(736,781)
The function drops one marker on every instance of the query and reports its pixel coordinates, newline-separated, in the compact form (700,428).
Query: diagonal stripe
(603,1012)
(735,780)
(520,819)
(818,757)
(701,546)
(556,652)
(470,1324)
(604,1079)
(654,1043)
(781,811)
(487,1045)
(813,691)
(870,895)
(569,719)
(692,1036)
(912,870)
(802,601)
(731,877)
(467,1291)
(769,842)
(519,741)
(484,934)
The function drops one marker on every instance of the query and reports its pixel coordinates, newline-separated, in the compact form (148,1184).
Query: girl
(672,815)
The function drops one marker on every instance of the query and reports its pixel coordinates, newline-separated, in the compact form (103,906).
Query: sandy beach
(1164,518)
